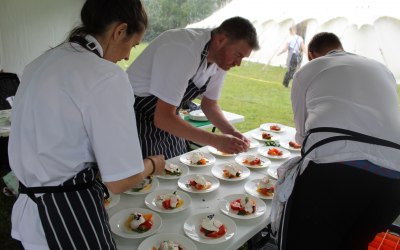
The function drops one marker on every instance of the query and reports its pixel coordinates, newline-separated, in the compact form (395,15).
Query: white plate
(217,152)
(117,222)
(272,172)
(224,205)
(264,152)
(251,188)
(253,143)
(151,198)
(266,127)
(264,162)
(184,169)
(198,115)
(185,179)
(113,200)
(218,171)
(192,228)
(155,241)
(258,136)
(285,144)
(153,187)
(185,159)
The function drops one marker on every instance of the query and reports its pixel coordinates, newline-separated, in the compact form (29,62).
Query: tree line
(171,14)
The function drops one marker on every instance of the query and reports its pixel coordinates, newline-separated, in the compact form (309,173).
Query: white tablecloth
(208,202)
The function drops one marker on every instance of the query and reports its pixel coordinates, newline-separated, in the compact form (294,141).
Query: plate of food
(215,151)
(168,201)
(148,185)
(167,241)
(273,127)
(112,200)
(197,115)
(262,188)
(173,171)
(197,159)
(242,206)
(273,152)
(252,161)
(198,183)
(291,145)
(135,223)
(230,172)
(265,136)
(209,228)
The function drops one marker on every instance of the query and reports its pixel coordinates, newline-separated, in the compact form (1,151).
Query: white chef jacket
(166,65)
(71,107)
(348,91)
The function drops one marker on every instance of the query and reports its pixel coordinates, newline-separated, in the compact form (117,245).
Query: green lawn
(253,90)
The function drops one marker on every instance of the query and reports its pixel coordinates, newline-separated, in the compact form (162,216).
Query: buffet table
(208,202)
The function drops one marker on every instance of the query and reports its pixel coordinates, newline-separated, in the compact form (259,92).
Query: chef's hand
(230,144)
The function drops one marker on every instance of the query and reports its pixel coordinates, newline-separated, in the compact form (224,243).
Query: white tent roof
(366,27)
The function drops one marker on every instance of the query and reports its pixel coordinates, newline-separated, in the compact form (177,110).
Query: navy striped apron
(73,215)
(153,140)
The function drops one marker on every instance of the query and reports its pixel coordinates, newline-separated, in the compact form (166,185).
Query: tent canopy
(367,27)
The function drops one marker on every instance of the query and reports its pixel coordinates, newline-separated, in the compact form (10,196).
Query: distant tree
(170,14)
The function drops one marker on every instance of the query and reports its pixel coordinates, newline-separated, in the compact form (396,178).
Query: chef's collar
(91,38)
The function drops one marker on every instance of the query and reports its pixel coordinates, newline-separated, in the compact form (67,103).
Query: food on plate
(252,160)
(266,136)
(143,185)
(266,187)
(294,144)
(272,143)
(231,171)
(212,227)
(243,206)
(169,245)
(275,152)
(199,183)
(198,158)
(172,169)
(169,201)
(275,128)
(138,222)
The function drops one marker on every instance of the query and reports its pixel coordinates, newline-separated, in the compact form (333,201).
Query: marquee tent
(367,27)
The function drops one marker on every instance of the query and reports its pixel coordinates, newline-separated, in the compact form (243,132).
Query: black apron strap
(91,46)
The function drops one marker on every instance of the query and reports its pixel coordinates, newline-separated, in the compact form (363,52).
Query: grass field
(253,90)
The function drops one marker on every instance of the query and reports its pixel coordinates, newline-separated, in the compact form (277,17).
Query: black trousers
(294,62)
(338,207)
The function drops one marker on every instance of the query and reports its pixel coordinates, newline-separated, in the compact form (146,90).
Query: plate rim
(211,159)
(211,241)
(174,177)
(267,164)
(167,235)
(153,187)
(275,137)
(186,205)
(269,130)
(182,184)
(218,166)
(258,200)
(260,149)
(130,210)
(255,194)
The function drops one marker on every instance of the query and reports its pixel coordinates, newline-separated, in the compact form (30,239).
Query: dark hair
(324,42)
(239,28)
(97,15)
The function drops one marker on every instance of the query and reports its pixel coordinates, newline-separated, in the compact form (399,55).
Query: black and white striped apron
(153,140)
(73,215)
